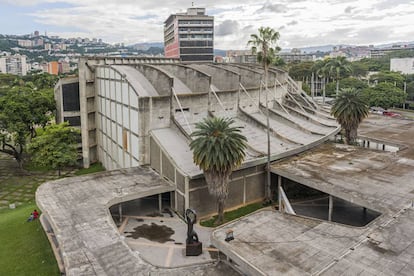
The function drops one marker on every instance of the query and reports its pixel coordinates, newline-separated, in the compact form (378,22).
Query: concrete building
(403,65)
(13,64)
(295,56)
(53,68)
(378,53)
(189,36)
(25,43)
(141,112)
(241,56)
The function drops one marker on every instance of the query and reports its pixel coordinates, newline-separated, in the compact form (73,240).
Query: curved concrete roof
(77,208)
(137,80)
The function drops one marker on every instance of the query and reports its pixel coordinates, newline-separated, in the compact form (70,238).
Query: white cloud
(300,23)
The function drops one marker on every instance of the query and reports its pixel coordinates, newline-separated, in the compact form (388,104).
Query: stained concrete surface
(271,243)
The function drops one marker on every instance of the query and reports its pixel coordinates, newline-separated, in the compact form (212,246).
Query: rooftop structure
(271,243)
(190,36)
(142,111)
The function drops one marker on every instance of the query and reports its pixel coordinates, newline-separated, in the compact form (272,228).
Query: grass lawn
(234,214)
(24,248)
(96,167)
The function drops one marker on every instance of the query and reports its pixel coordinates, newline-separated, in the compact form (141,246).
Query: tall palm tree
(264,44)
(349,109)
(218,149)
(319,69)
(337,68)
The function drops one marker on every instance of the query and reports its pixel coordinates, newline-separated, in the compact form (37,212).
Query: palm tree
(349,109)
(265,42)
(337,68)
(218,149)
(319,69)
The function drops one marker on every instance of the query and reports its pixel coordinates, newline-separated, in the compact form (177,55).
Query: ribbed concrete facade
(137,112)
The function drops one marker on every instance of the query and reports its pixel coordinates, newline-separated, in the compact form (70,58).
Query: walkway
(77,210)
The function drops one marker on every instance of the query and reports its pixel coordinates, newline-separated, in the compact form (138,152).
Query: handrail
(294,84)
(181,108)
(250,97)
(281,105)
(218,100)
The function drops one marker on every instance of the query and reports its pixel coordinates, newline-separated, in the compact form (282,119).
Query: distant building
(48,46)
(189,36)
(25,43)
(36,33)
(53,68)
(295,56)
(13,64)
(403,65)
(378,53)
(64,67)
(241,56)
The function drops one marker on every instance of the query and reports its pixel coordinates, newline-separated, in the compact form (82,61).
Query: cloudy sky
(299,22)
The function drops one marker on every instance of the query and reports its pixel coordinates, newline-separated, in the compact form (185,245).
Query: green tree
(55,147)
(218,149)
(301,71)
(21,110)
(349,109)
(349,82)
(359,70)
(319,70)
(384,95)
(338,68)
(394,78)
(265,45)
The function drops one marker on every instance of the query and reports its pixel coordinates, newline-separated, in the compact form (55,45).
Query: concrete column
(330,208)
(160,203)
(120,212)
(187,193)
(279,195)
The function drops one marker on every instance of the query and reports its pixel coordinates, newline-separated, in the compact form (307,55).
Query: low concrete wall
(197,81)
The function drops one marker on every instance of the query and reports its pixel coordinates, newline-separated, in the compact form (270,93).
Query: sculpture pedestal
(194,249)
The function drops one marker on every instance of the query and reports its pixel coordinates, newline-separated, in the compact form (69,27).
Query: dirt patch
(153,232)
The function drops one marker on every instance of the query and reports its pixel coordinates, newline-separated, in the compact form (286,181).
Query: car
(391,114)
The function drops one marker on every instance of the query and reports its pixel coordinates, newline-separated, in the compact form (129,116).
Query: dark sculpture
(193,245)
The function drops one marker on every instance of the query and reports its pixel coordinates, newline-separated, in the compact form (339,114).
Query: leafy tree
(218,149)
(377,64)
(384,95)
(410,91)
(21,110)
(349,109)
(346,83)
(337,69)
(265,45)
(301,71)
(319,70)
(359,70)
(55,147)
(394,78)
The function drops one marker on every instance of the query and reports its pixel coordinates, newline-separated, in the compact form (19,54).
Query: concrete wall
(158,79)
(249,78)
(197,81)
(222,78)
(246,186)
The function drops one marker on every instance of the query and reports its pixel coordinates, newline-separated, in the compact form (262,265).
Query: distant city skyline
(300,23)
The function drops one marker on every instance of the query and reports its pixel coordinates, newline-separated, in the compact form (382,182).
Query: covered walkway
(76,214)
